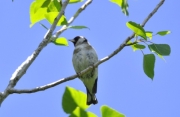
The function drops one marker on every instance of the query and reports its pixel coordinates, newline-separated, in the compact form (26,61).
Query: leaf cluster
(74,104)
(48,10)
(146,38)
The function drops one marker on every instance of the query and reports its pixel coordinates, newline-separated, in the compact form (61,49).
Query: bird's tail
(91,98)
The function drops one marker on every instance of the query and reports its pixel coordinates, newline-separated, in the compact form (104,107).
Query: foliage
(48,10)
(159,49)
(123,4)
(74,103)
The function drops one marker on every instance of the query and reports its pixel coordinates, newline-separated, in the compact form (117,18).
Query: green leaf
(73,98)
(148,65)
(79,112)
(61,41)
(45,3)
(149,34)
(78,27)
(39,8)
(123,4)
(125,7)
(109,112)
(162,33)
(43,26)
(52,15)
(37,12)
(155,49)
(137,47)
(54,6)
(74,1)
(137,29)
(161,49)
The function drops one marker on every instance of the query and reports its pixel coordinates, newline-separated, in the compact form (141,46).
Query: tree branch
(41,88)
(83,7)
(21,70)
(153,12)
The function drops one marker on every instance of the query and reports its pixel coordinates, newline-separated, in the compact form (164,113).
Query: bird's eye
(77,38)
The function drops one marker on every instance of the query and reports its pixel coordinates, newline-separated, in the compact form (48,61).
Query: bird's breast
(84,57)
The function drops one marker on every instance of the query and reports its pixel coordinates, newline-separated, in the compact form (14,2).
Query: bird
(84,56)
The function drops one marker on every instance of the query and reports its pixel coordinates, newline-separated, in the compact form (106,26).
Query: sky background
(122,83)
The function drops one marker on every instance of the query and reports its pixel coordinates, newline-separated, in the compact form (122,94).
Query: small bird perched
(84,56)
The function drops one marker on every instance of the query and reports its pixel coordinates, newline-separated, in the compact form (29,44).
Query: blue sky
(122,83)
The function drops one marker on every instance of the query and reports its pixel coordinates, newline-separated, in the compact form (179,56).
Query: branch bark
(41,88)
(21,70)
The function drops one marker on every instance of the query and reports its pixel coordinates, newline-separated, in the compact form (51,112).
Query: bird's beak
(71,40)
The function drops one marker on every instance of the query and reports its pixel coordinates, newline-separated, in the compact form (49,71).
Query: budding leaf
(163,33)
(78,27)
(149,34)
(61,41)
(74,1)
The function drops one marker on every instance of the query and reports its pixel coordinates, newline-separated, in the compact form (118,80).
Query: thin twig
(41,88)
(153,12)
(21,70)
(83,7)
(142,51)
(147,41)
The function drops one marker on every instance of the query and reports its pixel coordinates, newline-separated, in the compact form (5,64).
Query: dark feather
(93,99)
(95,86)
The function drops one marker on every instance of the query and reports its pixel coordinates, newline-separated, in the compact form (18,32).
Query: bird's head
(78,40)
